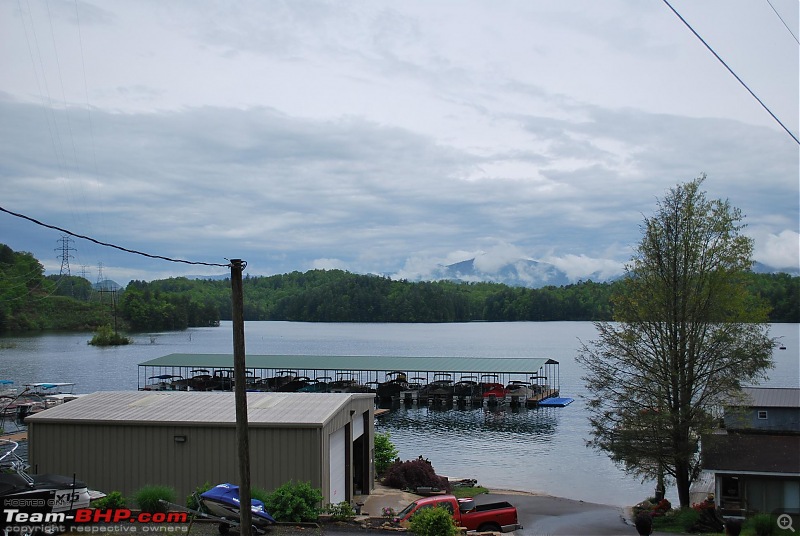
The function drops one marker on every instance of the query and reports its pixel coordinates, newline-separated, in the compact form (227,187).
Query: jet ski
(222,501)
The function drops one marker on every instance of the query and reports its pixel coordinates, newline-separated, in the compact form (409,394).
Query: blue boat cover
(229,494)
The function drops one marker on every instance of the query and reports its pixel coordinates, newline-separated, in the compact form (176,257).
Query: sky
(387,137)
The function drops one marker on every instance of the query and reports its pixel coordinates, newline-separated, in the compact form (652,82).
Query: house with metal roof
(755,459)
(125,440)
(765,409)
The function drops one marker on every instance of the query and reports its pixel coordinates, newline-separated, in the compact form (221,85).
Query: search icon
(785,522)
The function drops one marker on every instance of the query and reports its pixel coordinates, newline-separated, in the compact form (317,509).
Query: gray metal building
(124,440)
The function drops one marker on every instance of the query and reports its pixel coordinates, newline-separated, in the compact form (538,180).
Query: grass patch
(461,491)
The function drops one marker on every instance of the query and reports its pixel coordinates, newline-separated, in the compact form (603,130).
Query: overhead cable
(90,239)
(783,21)
(733,73)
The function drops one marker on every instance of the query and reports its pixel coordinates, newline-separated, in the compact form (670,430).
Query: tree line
(31,301)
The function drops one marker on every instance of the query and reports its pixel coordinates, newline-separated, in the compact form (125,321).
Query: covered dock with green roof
(176,369)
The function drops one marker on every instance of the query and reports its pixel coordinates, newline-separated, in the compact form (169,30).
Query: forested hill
(31,301)
(338,296)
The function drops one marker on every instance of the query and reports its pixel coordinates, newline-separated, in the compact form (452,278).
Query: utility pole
(240,395)
(113,293)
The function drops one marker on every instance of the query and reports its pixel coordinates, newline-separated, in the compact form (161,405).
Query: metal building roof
(199,408)
(771,397)
(498,365)
(751,453)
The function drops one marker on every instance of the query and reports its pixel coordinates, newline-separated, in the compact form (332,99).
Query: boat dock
(475,381)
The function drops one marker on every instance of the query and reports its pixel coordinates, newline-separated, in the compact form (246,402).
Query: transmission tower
(65,255)
(99,275)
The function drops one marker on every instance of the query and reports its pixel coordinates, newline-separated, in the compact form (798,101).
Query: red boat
(492,390)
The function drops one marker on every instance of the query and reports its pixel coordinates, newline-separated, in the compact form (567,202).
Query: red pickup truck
(498,517)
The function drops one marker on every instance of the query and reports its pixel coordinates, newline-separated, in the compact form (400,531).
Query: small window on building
(762,414)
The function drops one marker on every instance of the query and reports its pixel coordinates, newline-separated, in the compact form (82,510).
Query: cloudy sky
(387,137)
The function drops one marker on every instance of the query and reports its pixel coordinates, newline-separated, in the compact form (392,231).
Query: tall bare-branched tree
(686,336)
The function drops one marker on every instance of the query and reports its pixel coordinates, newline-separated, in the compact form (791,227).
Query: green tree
(385,452)
(688,334)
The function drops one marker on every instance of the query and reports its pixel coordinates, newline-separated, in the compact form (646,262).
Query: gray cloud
(378,137)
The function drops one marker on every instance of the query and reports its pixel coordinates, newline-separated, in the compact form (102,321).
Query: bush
(294,502)
(676,520)
(193,499)
(385,453)
(433,522)
(414,474)
(113,500)
(259,494)
(341,512)
(148,498)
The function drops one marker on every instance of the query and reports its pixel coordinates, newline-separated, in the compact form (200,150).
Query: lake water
(539,450)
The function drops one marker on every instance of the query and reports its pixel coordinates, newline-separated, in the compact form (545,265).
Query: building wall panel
(127,456)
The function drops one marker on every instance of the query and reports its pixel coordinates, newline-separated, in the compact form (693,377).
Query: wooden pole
(240,394)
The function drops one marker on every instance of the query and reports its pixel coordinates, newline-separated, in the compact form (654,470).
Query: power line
(733,73)
(106,244)
(783,21)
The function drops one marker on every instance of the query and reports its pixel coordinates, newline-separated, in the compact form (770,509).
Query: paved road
(545,515)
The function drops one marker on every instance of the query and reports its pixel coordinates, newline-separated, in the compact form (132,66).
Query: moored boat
(491,390)
(466,387)
(38,494)
(165,382)
(395,383)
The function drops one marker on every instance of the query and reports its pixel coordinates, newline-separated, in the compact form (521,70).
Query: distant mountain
(536,274)
(209,277)
(107,285)
(760,268)
(520,273)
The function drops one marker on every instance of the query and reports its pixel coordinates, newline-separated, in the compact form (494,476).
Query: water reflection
(477,424)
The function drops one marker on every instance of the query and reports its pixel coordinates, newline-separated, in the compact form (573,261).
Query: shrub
(414,474)
(385,453)
(676,520)
(259,494)
(341,512)
(193,499)
(113,501)
(148,498)
(294,502)
(433,522)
